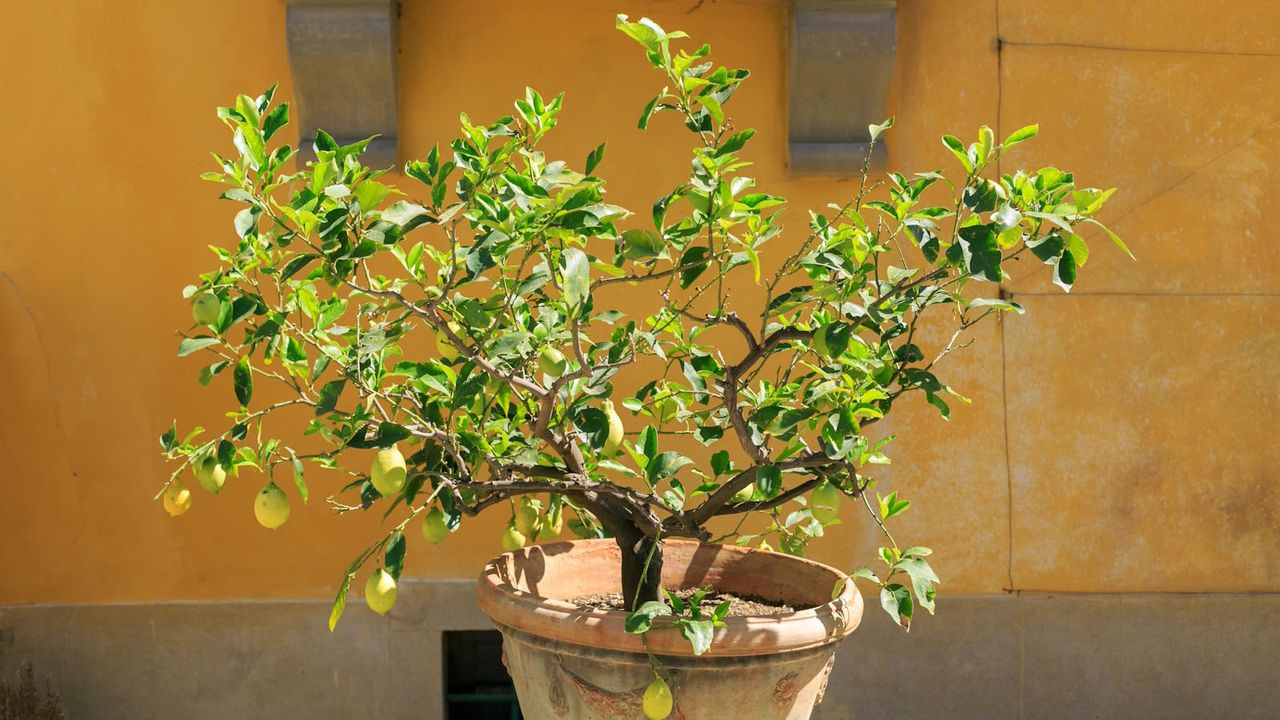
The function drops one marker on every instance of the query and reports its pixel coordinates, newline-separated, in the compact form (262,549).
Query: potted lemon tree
(647,436)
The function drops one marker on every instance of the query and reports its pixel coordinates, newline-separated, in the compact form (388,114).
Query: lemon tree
(454,345)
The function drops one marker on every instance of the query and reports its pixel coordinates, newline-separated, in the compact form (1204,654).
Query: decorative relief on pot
(785,690)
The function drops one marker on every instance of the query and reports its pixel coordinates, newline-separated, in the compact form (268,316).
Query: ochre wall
(1120,438)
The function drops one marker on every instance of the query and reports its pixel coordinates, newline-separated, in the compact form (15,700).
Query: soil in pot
(739,605)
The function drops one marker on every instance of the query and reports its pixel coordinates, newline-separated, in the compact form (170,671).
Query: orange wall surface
(1120,438)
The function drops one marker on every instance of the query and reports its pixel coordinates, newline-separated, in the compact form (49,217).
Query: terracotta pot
(582,664)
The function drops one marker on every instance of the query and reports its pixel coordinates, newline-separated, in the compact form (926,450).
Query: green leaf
(642,619)
(896,600)
(1020,135)
(1064,272)
(242,379)
(981,252)
(877,130)
(698,632)
(328,397)
(922,580)
(298,481)
(1005,305)
(393,557)
(649,109)
(734,143)
(407,215)
(693,263)
(1114,238)
(594,157)
(577,277)
(640,244)
(276,119)
(296,264)
(190,345)
(169,438)
(957,148)
(665,465)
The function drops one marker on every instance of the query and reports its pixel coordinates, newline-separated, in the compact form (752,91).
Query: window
(477,686)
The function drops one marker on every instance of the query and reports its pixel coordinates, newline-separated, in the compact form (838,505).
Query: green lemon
(206,308)
(824,502)
(380,592)
(552,523)
(388,472)
(176,499)
(512,539)
(552,362)
(210,474)
(527,518)
(271,507)
(434,527)
(657,700)
(744,495)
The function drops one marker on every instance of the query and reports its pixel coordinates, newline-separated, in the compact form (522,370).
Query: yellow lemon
(210,474)
(380,592)
(824,502)
(513,539)
(657,700)
(176,499)
(616,430)
(447,351)
(434,527)
(271,507)
(206,308)
(388,472)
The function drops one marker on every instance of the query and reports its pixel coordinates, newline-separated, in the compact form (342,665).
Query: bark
(640,584)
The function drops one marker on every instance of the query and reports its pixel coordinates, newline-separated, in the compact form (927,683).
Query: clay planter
(582,664)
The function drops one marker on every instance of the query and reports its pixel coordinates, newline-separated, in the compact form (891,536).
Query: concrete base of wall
(1026,656)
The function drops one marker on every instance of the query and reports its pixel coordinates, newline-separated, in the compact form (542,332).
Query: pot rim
(562,621)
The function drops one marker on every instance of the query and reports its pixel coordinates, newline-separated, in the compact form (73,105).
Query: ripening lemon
(552,362)
(657,700)
(765,546)
(447,351)
(271,507)
(388,472)
(210,474)
(434,527)
(176,499)
(551,525)
(824,502)
(513,539)
(527,518)
(380,592)
(206,308)
(744,495)
(616,430)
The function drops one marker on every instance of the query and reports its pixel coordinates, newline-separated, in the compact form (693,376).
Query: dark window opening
(477,686)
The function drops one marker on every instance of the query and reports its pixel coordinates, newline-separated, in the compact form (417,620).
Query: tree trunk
(641,569)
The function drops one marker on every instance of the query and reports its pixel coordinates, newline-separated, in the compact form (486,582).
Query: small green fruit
(744,495)
(388,472)
(513,539)
(434,527)
(657,700)
(527,519)
(552,362)
(210,474)
(552,523)
(176,499)
(616,430)
(271,507)
(824,502)
(206,308)
(380,592)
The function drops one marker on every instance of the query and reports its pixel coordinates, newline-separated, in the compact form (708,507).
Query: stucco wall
(1120,440)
